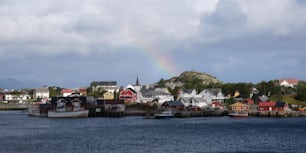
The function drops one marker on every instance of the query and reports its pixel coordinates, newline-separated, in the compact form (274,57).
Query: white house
(110,86)
(184,93)
(19,98)
(289,82)
(193,101)
(213,94)
(41,93)
(160,94)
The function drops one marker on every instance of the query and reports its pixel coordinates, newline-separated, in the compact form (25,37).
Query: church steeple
(137,82)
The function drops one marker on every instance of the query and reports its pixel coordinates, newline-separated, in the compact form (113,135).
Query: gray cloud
(215,36)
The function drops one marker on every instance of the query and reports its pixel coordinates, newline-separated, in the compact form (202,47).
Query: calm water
(20,133)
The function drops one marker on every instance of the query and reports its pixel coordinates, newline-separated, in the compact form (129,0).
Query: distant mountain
(9,83)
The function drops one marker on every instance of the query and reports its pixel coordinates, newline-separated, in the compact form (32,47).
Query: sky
(74,42)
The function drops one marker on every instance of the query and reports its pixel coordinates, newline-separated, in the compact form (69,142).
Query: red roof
(66,91)
(267,104)
(290,81)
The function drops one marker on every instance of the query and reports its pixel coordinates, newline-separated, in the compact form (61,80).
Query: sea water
(133,134)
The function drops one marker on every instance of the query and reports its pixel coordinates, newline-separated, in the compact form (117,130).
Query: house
(108,95)
(128,95)
(239,107)
(66,92)
(187,93)
(213,94)
(41,93)
(114,107)
(159,94)
(281,106)
(83,91)
(216,105)
(193,102)
(110,86)
(266,106)
(289,82)
(273,106)
(175,105)
(12,97)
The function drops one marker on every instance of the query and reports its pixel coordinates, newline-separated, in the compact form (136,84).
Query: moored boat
(238,114)
(164,114)
(34,110)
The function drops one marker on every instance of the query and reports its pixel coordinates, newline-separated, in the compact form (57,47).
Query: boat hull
(238,114)
(162,117)
(164,114)
(72,114)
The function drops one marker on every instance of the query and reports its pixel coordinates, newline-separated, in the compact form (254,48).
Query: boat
(238,114)
(35,111)
(67,109)
(164,114)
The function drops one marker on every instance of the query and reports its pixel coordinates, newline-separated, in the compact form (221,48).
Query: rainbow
(160,59)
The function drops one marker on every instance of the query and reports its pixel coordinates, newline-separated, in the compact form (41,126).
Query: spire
(137,82)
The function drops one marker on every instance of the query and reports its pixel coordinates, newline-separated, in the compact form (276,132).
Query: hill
(9,83)
(190,79)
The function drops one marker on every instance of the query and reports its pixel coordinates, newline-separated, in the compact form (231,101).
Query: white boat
(164,114)
(63,111)
(239,114)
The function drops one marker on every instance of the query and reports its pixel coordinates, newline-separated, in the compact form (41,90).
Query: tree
(54,91)
(301,91)
(161,83)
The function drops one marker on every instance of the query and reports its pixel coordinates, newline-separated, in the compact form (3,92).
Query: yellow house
(238,107)
(108,95)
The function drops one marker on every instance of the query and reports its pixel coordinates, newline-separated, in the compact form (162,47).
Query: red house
(216,105)
(272,106)
(128,95)
(266,106)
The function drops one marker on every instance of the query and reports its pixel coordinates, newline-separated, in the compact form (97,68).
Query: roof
(280,104)
(238,104)
(188,91)
(174,103)
(153,92)
(266,104)
(66,91)
(290,81)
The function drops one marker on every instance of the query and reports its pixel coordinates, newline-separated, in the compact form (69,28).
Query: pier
(14,106)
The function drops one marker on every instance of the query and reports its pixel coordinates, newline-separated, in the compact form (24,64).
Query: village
(148,101)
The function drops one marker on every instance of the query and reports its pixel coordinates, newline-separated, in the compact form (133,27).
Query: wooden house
(281,106)
(176,105)
(238,107)
(128,95)
(266,106)
(114,107)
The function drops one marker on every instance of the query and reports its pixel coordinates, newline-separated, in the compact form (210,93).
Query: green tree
(161,83)
(54,91)
(301,91)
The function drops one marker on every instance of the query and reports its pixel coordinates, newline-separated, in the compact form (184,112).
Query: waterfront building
(66,92)
(213,94)
(41,93)
(128,95)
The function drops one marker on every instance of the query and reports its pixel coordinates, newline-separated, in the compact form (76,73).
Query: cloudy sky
(73,42)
